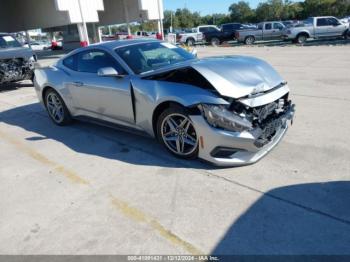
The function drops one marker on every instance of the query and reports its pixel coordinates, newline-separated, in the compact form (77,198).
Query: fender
(148,94)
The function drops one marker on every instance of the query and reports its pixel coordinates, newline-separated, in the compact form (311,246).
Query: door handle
(78,83)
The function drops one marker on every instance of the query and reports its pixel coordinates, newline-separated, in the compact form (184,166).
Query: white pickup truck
(196,35)
(316,27)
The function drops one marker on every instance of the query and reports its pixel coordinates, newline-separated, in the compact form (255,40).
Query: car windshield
(8,41)
(146,57)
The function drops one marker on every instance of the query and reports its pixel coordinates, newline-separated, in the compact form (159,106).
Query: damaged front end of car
(246,131)
(263,122)
(16,69)
(239,106)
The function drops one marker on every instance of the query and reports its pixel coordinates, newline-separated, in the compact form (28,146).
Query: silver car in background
(226,110)
(317,28)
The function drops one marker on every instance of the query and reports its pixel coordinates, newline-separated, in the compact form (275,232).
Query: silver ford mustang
(228,110)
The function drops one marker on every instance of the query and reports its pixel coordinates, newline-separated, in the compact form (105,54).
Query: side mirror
(107,71)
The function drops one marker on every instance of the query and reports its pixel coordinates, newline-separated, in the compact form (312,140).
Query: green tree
(270,10)
(185,18)
(293,10)
(170,17)
(326,7)
(241,12)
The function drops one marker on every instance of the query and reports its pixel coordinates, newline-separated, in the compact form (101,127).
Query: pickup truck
(195,36)
(271,30)
(16,62)
(227,32)
(317,27)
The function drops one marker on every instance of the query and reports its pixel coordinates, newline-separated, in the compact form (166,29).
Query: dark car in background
(16,61)
(226,33)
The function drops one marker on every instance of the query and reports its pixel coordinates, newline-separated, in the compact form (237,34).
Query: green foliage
(241,12)
(326,7)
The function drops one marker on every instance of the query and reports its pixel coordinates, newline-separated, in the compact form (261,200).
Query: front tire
(176,132)
(301,39)
(56,108)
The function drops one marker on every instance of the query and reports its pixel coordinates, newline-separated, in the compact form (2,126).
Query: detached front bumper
(226,148)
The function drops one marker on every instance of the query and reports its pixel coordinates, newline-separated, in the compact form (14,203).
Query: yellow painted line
(43,159)
(141,217)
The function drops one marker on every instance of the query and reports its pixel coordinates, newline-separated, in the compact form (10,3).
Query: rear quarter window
(70,62)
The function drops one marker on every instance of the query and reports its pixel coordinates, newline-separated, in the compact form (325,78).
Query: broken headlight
(220,116)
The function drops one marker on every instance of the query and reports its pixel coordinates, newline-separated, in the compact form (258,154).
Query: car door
(102,97)
(323,27)
(267,32)
(336,28)
(277,31)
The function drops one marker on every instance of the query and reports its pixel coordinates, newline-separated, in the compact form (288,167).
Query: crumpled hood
(238,76)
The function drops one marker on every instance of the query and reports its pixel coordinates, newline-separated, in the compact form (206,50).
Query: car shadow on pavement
(14,86)
(303,219)
(96,140)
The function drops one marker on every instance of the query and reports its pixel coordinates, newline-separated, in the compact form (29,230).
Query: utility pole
(171,21)
(126,12)
(160,20)
(86,35)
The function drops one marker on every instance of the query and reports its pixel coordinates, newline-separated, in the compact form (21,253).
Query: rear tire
(347,34)
(190,42)
(176,132)
(215,41)
(249,40)
(56,108)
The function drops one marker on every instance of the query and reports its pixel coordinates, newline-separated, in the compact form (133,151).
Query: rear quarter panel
(55,78)
(244,33)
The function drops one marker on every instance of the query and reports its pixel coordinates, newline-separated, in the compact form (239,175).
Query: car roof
(119,43)
(271,22)
(328,16)
(232,24)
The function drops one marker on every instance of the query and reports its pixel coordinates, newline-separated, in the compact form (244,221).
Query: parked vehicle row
(226,33)
(296,31)
(195,36)
(317,28)
(211,34)
(265,31)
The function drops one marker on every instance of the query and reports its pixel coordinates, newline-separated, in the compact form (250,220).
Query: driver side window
(268,26)
(277,26)
(92,61)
